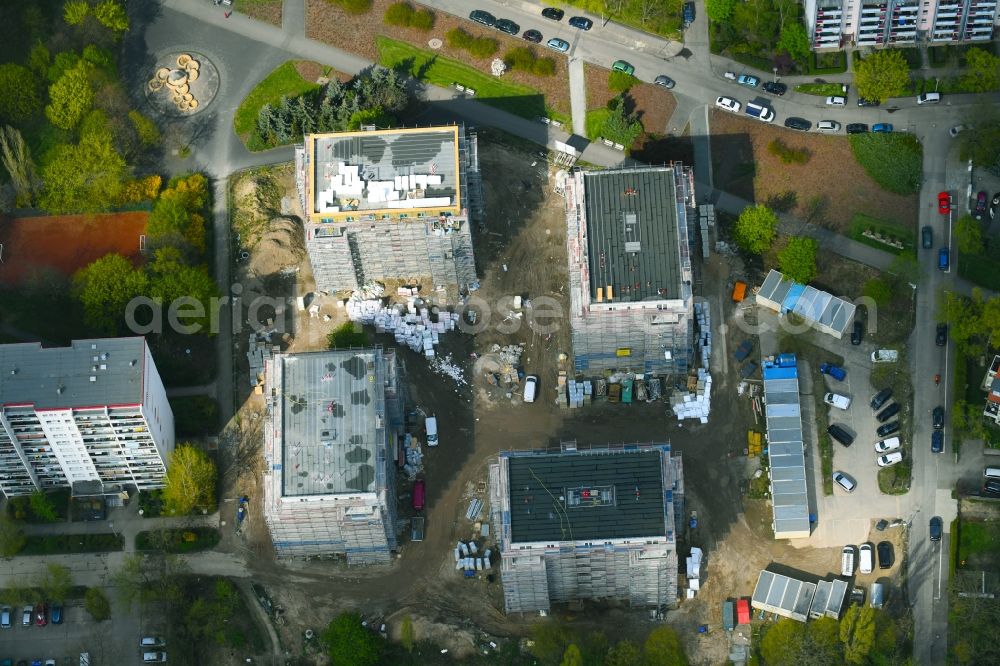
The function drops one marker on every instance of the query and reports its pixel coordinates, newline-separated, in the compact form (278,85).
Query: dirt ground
(653,104)
(742,165)
(356,33)
(66,243)
(268,11)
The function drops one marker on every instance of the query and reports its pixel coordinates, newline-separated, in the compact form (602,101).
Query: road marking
(937,595)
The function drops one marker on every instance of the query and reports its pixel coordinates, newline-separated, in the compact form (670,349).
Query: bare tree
(17,160)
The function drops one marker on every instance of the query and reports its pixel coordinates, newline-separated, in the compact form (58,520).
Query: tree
(170,279)
(104,289)
(619,82)
(550,641)
(964,317)
(148,577)
(70,97)
(17,593)
(879,290)
(624,653)
(797,259)
(173,220)
(19,98)
(719,11)
(572,656)
(350,644)
(663,648)
(981,72)
(857,633)
(794,40)
(11,537)
(824,642)
(755,229)
(75,11)
(17,160)
(882,75)
(43,507)
(97,604)
(190,481)
(55,582)
(111,14)
(784,643)
(84,177)
(406,633)
(969,235)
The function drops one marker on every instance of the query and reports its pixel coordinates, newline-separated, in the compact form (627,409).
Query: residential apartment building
(94,414)
(836,24)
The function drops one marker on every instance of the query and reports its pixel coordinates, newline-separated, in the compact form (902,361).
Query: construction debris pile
(468,560)
(414,457)
(446,368)
(259,350)
(693,572)
(695,403)
(412,324)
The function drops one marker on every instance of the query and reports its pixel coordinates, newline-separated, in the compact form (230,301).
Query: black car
(840,434)
(857,333)
(887,429)
(941,338)
(487,19)
(888,412)
(553,13)
(507,26)
(881,398)
(775,88)
(937,441)
(991,487)
(857,128)
(798,124)
(885,554)
(994,204)
(581,22)
(532,36)
(927,238)
(936,527)
(868,102)
(688,13)
(938,417)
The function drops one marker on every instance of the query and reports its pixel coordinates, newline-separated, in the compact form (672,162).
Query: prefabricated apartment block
(630,268)
(329,483)
(588,524)
(390,205)
(94,414)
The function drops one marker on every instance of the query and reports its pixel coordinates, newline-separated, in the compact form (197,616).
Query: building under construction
(329,485)
(390,205)
(630,268)
(588,524)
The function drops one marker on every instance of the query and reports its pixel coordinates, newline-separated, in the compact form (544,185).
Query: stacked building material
(467,557)
(693,572)
(706,220)
(696,403)
(259,351)
(703,340)
(411,324)
(414,457)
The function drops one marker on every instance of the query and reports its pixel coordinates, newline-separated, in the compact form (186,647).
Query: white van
(929,98)
(885,356)
(866,561)
(150,641)
(530,388)
(154,657)
(992,472)
(431,426)
(847,561)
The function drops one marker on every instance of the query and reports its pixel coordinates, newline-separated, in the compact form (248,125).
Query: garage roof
(782,414)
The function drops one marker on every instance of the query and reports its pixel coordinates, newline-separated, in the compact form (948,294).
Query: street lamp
(775,74)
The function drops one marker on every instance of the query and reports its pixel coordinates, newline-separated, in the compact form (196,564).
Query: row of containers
(468,560)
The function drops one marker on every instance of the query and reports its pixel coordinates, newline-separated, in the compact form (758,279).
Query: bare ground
(653,104)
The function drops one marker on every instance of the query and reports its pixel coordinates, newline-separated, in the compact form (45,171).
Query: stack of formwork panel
(694,404)
(706,220)
(703,339)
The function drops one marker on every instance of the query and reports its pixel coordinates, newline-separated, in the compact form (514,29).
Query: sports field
(66,243)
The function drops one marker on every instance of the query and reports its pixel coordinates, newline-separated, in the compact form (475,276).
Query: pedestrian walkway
(578,96)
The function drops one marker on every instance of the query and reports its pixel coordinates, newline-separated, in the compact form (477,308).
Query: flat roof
(632,234)
(784,595)
(587,495)
(786,451)
(88,373)
(386,171)
(811,303)
(329,419)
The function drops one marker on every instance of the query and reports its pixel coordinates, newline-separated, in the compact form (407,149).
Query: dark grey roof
(632,233)
(586,495)
(88,373)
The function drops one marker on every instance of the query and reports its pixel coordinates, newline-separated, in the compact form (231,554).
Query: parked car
(419,495)
(41,614)
(887,429)
(557,44)
(532,36)
(728,103)
(664,81)
(847,561)
(868,102)
(5,617)
(881,127)
(992,487)
(507,26)
(530,388)
(688,13)
(553,13)
(749,81)
(844,481)
(890,459)
(980,208)
(26,616)
(881,398)
(487,19)
(888,412)
(828,126)
(937,441)
(581,22)
(857,128)
(857,333)
(57,613)
(834,371)
(944,259)
(775,88)
(796,123)
(885,555)
(836,100)
(994,205)
(936,527)
(623,66)
(151,641)
(929,98)
(888,444)
(937,417)
(866,558)
(941,336)
(840,434)
(927,237)
(837,400)
(944,203)
(885,356)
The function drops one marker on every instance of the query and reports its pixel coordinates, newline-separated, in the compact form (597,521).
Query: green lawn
(980,270)
(437,70)
(285,80)
(595,122)
(861,223)
(821,89)
(978,542)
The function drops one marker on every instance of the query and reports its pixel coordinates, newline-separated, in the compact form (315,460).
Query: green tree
(619,126)
(406,633)
(784,643)
(879,290)
(85,177)
(350,644)
(824,642)
(146,129)
(794,40)
(964,317)
(146,578)
(619,82)
(70,97)
(111,14)
(97,604)
(981,72)
(19,98)
(170,280)
(172,221)
(104,288)
(968,235)
(39,60)
(882,75)
(572,656)
(20,167)
(17,593)
(857,633)
(719,11)
(797,259)
(55,582)
(663,648)
(75,11)
(624,653)
(399,14)
(190,483)
(43,507)
(550,641)
(755,229)
(11,537)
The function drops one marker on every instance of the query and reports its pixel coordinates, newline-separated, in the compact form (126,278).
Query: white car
(828,126)
(729,104)
(836,100)
(889,459)
(530,388)
(886,445)
(837,400)
(5,617)
(847,561)
(844,481)
(865,558)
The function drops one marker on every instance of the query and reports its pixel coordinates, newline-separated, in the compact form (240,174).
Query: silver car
(836,100)
(557,44)
(664,81)
(844,481)
(828,126)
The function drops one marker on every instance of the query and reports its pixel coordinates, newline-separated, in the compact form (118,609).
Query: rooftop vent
(132,363)
(13,371)
(93,378)
(60,389)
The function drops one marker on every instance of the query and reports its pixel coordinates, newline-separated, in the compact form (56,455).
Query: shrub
(521,57)
(484,47)
(423,19)
(620,81)
(458,38)
(544,67)
(399,13)
(894,161)
(353,6)
(787,154)
(97,604)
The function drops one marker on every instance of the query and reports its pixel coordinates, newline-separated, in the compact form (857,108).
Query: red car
(41,615)
(944,203)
